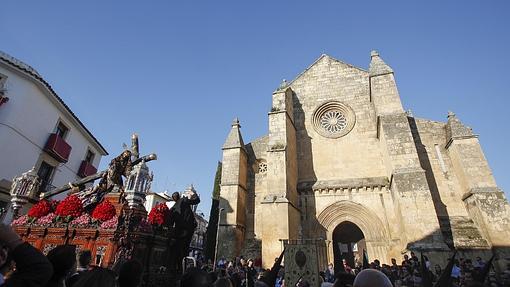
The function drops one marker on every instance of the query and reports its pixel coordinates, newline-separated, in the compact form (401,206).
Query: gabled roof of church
(323,56)
(234,138)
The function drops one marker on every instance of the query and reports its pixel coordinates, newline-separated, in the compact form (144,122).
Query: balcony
(58,148)
(86,169)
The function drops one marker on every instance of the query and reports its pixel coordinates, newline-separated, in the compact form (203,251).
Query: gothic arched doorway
(373,229)
(348,243)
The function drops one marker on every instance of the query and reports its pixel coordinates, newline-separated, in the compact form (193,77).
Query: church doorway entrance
(348,243)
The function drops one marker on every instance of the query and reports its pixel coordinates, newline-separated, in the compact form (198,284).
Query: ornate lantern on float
(138,184)
(24,188)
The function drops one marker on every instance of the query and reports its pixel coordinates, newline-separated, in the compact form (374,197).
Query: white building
(37,129)
(153,198)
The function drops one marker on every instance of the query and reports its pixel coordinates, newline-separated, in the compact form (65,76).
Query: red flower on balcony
(104,211)
(70,206)
(40,209)
(159,215)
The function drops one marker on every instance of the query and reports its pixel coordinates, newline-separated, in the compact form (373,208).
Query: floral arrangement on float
(69,213)
(159,217)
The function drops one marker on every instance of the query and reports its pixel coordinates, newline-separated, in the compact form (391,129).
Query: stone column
(485,202)
(279,204)
(418,222)
(232,195)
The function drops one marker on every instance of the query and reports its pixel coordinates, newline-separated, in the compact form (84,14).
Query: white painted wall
(26,122)
(154,198)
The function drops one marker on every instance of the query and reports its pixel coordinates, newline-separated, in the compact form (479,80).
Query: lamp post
(217,236)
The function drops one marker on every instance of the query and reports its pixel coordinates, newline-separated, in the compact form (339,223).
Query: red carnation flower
(159,214)
(70,206)
(104,211)
(40,209)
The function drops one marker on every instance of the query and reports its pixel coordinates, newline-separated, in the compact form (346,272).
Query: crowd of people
(465,272)
(23,265)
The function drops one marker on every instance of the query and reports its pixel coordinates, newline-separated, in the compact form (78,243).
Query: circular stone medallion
(333,119)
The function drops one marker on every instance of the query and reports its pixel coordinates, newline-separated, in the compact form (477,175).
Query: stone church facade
(344,163)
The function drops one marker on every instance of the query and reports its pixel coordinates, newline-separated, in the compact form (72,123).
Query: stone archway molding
(376,235)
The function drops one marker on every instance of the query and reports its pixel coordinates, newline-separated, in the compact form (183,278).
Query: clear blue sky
(178,73)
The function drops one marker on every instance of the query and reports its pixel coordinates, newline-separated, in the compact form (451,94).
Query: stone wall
(320,157)
(457,227)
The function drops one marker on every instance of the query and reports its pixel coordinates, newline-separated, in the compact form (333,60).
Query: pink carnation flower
(81,221)
(110,224)
(22,220)
(46,220)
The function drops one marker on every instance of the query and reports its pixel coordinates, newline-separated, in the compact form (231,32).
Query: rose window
(333,119)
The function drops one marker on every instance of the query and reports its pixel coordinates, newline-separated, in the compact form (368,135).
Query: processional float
(82,219)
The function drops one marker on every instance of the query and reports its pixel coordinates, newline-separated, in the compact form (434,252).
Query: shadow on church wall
(228,232)
(252,246)
(227,208)
(250,186)
(439,206)
(307,203)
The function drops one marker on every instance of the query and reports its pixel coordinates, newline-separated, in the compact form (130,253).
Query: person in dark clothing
(183,219)
(32,267)
(250,271)
(84,258)
(270,276)
(329,274)
(130,274)
(194,277)
(5,262)
(223,282)
(63,259)
(212,276)
(98,277)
